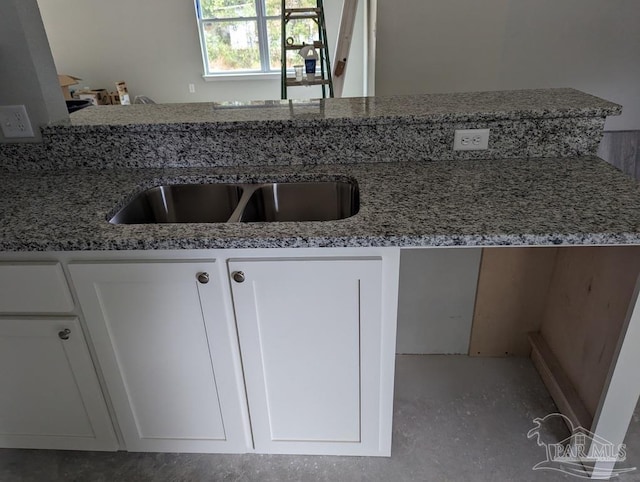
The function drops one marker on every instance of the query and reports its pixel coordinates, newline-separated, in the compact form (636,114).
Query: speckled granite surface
(524,124)
(434,108)
(470,203)
(570,137)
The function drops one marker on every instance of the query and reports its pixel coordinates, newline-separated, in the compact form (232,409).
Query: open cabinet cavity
(572,310)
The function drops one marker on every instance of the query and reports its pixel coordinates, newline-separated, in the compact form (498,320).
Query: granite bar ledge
(426,108)
(541,123)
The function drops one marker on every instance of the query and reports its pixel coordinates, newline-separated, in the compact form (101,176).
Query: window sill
(247,76)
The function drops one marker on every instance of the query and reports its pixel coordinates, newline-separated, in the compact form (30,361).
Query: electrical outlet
(471,139)
(15,121)
(192,88)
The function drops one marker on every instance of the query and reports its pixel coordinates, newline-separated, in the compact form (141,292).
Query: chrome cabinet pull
(203,278)
(238,276)
(64,334)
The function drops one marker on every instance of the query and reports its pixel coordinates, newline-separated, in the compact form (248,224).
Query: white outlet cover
(471,139)
(15,122)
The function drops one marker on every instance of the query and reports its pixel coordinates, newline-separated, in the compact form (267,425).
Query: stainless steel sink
(302,201)
(181,203)
(220,203)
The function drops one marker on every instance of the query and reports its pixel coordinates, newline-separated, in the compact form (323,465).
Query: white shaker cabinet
(49,393)
(310,335)
(168,352)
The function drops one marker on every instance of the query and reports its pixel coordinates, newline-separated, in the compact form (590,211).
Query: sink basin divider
(247,192)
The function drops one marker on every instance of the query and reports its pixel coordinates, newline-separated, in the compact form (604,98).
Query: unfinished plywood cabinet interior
(575,314)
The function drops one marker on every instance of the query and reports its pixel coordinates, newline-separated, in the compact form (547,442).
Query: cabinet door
(310,338)
(167,352)
(50,397)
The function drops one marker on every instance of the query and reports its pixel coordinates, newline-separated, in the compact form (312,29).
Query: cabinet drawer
(34,288)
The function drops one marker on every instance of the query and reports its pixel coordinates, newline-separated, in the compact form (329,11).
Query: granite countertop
(454,203)
(426,108)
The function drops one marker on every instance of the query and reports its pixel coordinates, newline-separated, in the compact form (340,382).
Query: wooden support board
(589,296)
(555,379)
(511,297)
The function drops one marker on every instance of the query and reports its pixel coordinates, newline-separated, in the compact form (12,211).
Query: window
(243,36)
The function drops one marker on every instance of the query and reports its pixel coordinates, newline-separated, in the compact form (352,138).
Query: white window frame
(261,18)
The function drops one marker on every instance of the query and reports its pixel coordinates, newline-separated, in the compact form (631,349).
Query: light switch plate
(471,139)
(15,122)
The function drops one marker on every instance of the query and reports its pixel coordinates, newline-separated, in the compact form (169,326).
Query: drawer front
(34,288)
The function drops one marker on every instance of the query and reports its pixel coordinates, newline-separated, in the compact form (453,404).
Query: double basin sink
(244,203)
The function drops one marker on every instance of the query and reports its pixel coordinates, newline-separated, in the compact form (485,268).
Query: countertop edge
(64,129)
(460,241)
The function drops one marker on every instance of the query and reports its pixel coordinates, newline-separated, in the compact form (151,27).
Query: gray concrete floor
(456,419)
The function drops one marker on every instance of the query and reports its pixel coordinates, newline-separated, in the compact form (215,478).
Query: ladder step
(317,45)
(299,13)
(302,15)
(294,82)
(302,10)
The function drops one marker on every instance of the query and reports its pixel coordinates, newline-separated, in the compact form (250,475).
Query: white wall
(27,73)
(436,300)
(467,45)
(154,46)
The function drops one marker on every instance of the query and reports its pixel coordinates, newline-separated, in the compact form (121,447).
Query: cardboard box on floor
(67,81)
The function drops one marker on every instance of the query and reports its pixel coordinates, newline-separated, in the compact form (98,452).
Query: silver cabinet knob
(203,278)
(64,334)
(238,276)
